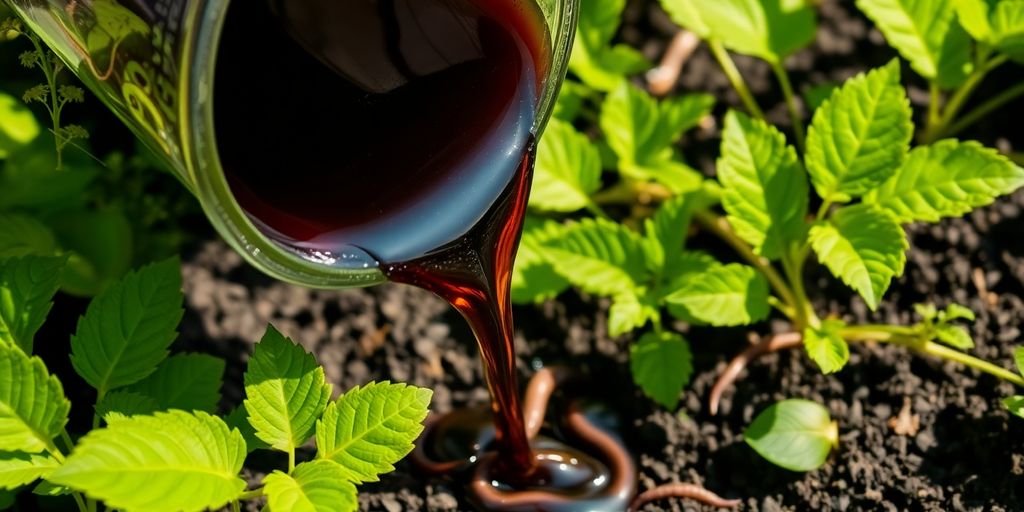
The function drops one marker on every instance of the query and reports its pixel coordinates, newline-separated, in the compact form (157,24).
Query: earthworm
(728,376)
(663,78)
(679,490)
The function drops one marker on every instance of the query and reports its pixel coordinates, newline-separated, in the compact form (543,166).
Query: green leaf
(370,428)
(794,434)
(641,132)
(666,231)
(597,62)
(30,180)
(102,247)
(317,486)
(126,330)
(120,405)
(927,34)
(18,469)
(769,29)
(725,295)
(21,235)
(185,381)
(816,96)
(534,279)
(661,366)
(169,461)
(974,17)
(18,127)
(826,347)
(629,311)
(861,135)
(570,101)
(947,179)
(599,257)
(958,312)
(765,188)
(1015,404)
(33,409)
(955,336)
(27,286)
(1018,358)
(47,489)
(285,392)
(1008,28)
(863,246)
(568,170)
(7,499)
(238,418)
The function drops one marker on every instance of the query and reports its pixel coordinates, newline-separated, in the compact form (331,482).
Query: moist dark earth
(967,453)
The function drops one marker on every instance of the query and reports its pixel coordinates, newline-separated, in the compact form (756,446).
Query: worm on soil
(663,78)
(694,492)
(728,376)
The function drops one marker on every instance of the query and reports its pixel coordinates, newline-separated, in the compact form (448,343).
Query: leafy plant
(156,443)
(840,193)
(794,434)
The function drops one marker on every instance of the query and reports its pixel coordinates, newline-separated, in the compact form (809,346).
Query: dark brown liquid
(397,134)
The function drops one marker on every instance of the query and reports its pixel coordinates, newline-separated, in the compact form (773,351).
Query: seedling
(855,154)
(156,443)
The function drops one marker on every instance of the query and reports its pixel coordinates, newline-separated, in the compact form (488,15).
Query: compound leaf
(861,135)
(169,461)
(126,330)
(317,486)
(599,256)
(285,392)
(947,179)
(371,428)
(27,286)
(661,365)
(765,188)
(33,409)
(863,246)
(793,434)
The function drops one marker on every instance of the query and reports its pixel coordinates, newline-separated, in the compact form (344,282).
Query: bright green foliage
(999,24)
(927,34)
(569,104)
(860,136)
(121,404)
(535,279)
(769,29)
(185,381)
(18,468)
(794,434)
(1015,404)
(27,286)
(641,132)
(661,366)
(1018,359)
(599,256)
(955,336)
(18,127)
(725,295)
(370,428)
(33,409)
(21,235)
(764,186)
(567,172)
(938,325)
(631,310)
(317,486)
(238,418)
(863,246)
(826,347)
(594,59)
(973,16)
(126,330)
(285,392)
(947,179)
(168,461)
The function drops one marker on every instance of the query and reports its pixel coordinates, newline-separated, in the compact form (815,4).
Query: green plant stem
(720,227)
(291,460)
(64,436)
(235,506)
(959,98)
(908,337)
(596,210)
(794,110)
(54,106)
(793,267)
(734,76)
(984,109)
(251,495)
(83,504)
(82,507)
(934,105)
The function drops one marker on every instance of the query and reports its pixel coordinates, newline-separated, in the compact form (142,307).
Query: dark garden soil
(966,453)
